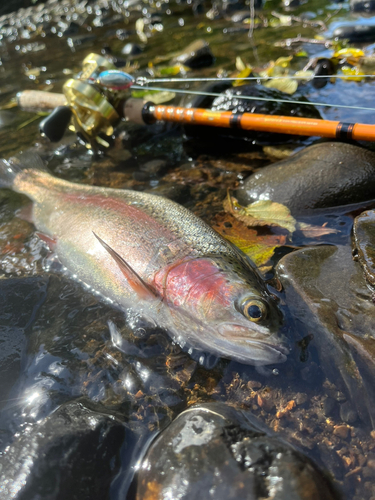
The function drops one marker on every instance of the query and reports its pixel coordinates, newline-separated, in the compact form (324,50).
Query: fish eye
(253,309)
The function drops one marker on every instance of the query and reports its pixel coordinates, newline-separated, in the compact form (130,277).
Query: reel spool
(92,111)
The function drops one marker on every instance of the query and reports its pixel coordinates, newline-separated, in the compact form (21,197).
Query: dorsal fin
(142,289)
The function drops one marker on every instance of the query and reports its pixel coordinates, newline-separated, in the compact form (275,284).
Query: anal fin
(142,289)
(26,213)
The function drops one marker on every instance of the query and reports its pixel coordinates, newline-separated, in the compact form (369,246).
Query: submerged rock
(214,451)
(362,5)
(328,297)
(320,176)
(355,32)
(196,55)
(364,240)
(14,328)
(73,453)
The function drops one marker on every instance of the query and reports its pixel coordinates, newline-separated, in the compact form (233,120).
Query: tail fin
(9,169)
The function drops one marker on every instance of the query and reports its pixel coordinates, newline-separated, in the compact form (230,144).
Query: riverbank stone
(328,297)
(323,175)
(215,451)
(364,242)
(73,453)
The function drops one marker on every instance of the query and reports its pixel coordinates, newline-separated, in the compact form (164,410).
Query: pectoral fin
(142,289)
(51,242)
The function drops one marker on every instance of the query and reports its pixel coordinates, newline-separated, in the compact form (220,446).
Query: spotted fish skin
(167,263)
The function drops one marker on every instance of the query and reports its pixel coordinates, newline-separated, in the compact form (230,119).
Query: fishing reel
(92,106)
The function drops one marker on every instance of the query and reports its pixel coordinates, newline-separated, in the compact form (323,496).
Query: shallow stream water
(61,343)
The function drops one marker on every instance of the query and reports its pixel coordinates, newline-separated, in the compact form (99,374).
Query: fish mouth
(260,338)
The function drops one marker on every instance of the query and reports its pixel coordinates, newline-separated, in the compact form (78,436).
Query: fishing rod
(99,98)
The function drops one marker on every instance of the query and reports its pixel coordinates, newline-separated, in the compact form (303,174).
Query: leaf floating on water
(261,213)
(348,52)
(243,74)
(172,70)
(139,27)
(305,75)
(352,73)
(287,85)
(315,231)
(283,62)
(154,95)
(260,248)
(240,65)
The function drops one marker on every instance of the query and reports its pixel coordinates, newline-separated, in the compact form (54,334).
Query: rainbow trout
(153,255)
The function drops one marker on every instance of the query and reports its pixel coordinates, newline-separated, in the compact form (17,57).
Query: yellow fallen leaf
(261,213)
(348,52)
(284,62)
(240,65)
(287,85)
(243,74)
(304,75)
(352,73)
(259,248)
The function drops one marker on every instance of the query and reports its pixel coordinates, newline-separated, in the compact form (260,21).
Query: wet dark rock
(320,176)
(73,453)
(131,49)
(196,55)
(355,32)
(214,451)
(364,241)
(362,5)
(327,294)
(323,67)
(15,325)
(348,413)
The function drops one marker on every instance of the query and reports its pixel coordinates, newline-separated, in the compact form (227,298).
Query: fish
(150,254)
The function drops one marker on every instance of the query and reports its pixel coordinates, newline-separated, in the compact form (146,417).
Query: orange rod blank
(265,123)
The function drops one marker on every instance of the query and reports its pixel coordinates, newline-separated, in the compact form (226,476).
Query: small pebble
(347,413)
(301,398)
(265,403)
(254,384)
(341,431)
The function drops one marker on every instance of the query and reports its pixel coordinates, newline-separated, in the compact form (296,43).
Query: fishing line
(252,98)
(144,80)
